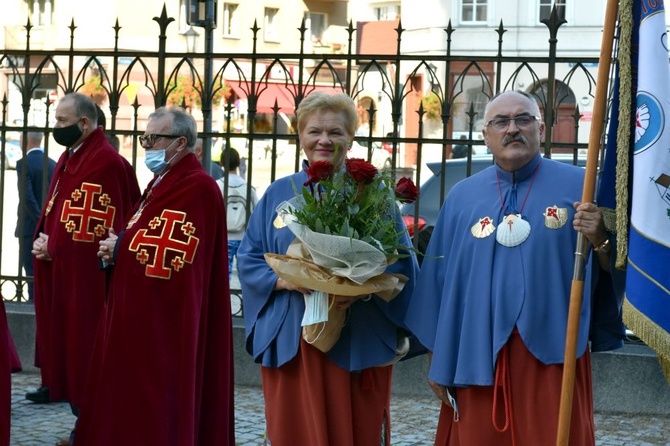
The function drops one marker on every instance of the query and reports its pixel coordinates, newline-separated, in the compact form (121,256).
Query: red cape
(70,289)
(9,362)
(163,367)
(14,360)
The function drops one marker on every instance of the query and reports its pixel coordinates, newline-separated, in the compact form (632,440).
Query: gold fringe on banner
(652,335)
(624,130)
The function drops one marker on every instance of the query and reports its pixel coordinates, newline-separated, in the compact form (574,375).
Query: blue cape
(472,292)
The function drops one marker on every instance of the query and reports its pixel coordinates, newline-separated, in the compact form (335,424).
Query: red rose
(406,191)
(360,170)
(319,171)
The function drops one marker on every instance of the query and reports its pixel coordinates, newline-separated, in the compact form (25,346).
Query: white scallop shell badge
(278,222)
(555,217)
(483,228)
(513,230)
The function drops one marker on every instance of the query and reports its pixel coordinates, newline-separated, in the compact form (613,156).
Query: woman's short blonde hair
(319,101)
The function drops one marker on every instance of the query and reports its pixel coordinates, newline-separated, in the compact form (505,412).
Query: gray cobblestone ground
(414,421)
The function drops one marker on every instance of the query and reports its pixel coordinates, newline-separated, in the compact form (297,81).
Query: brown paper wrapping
(324,335)
(297,267)
(303,272)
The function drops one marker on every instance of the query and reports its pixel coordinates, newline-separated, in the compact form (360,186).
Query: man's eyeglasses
(521,121)
(151,138)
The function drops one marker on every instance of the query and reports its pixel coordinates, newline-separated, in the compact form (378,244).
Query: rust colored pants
(524,404)
(311,401)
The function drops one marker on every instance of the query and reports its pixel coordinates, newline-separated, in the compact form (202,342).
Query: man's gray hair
(84,106)
(34,137)
(183,124)
(534,99)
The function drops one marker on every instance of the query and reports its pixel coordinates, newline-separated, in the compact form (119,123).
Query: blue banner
(647,311)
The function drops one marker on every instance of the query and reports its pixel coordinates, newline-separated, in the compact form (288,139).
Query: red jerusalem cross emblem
(171,241)
(94,215)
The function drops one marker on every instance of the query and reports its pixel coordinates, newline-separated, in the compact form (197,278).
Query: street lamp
(191,37)
(202,13)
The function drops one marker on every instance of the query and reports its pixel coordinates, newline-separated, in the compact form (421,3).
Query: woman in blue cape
(341,397)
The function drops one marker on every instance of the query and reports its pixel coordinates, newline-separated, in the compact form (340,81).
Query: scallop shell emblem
(483,228)
(642,117)
(555,217)
(513,230)
(278,222)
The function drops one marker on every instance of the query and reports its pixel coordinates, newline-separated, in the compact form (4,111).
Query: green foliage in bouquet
(358,202)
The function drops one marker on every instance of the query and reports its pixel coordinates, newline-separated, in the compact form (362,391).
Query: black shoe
(39,396)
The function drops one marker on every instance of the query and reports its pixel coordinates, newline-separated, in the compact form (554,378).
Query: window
(472,94)
(471,87)
(230,27)
(474,11)
(271,25)
(316,26)
(391,12)
(547,5)
(40,11)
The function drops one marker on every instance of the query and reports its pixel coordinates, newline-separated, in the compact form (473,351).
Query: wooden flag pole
(577,289)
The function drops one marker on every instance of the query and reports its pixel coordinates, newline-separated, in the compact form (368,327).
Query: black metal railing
(416,105)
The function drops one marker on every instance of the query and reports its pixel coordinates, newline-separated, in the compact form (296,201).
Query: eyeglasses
(521,121)
(151,138)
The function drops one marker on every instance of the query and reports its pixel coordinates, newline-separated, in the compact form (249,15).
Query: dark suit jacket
(30,191)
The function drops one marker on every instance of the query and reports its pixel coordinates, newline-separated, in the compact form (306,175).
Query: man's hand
(440,391)
(589,221)
(106,250)
(41,247)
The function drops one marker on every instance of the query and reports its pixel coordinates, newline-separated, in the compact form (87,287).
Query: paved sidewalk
(414,418)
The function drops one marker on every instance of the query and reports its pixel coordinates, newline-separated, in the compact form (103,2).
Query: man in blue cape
(491,300)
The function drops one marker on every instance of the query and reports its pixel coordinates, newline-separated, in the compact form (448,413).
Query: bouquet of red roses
(357,202)
(346,234)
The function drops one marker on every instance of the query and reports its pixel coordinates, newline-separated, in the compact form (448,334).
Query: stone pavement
(414,418)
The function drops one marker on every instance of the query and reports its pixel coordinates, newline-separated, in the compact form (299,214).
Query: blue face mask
(155,159)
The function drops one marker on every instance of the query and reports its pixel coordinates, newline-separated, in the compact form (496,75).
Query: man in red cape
(162,370)
(92,190)
(9,362)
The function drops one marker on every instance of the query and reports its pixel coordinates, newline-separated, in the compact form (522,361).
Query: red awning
(269,93)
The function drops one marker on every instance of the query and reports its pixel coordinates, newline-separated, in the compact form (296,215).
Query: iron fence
(414,106)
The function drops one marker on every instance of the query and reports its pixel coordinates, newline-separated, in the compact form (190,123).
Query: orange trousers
(311,401)
(522,408)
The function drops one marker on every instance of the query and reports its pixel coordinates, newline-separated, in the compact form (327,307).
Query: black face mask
(67,136)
